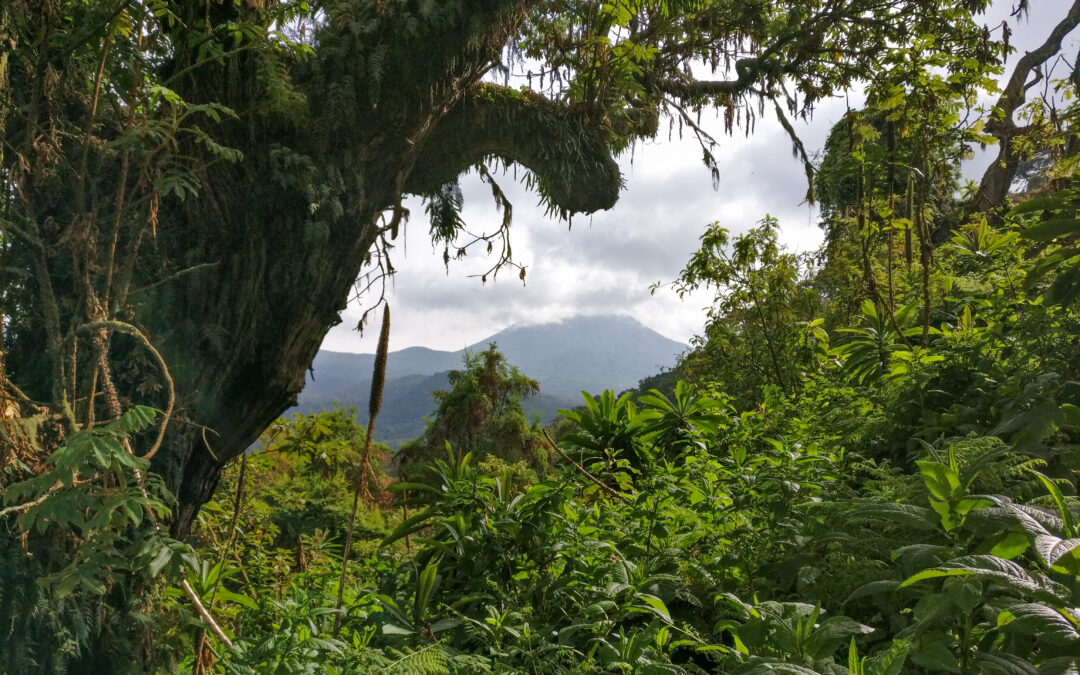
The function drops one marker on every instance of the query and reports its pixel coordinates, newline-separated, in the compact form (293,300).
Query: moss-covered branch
(568,153)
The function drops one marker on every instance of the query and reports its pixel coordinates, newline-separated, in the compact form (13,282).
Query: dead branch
(585,473)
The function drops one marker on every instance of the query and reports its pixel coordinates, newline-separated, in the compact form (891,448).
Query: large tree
(482,414)
(197,184)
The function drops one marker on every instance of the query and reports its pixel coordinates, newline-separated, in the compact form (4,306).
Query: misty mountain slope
(583,353)
(589,353)
(339,371)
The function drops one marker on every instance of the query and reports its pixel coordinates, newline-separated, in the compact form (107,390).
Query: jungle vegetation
(865,464)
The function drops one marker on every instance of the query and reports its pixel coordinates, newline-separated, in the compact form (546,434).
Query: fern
(429,660)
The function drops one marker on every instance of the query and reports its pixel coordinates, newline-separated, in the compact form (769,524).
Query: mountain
(589,353)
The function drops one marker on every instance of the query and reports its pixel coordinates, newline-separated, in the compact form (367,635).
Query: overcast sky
(606,263)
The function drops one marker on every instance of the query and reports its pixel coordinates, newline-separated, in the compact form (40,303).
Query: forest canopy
(160,156)
(191,190)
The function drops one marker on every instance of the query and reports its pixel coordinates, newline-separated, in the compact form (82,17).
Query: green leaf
(909,515)
(965,505)
(889,662)
(409,526)
(935,656)
(1051,203)
(161,559)
(1070,415)
(988,566)
(238,598)
(656,606)
(1051,229)
(964,593)
(919,554)
(1033,520)
(600,609)
(1051,263)
(1053,548)
(102,452)
(424,587)
(1061,665)
(764,666)
(873,588)
(391,629)
(1059,500)
(1050,625)
(831,633)
(1011,546)
(1004,664)
(445,624)
(942,482)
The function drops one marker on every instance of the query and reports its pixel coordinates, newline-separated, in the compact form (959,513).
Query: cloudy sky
(606,263)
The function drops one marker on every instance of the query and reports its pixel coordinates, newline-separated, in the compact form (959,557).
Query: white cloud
(601,264)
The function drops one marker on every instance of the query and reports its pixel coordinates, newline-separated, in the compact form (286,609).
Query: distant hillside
(584,353)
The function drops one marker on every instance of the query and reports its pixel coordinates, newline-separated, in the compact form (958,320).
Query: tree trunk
(237,280)
(240,335)
(994,186)
(242,362)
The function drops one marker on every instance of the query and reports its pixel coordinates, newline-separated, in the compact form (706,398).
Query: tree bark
(243,332)
(237,281)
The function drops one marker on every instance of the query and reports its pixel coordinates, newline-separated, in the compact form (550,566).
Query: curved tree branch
(123,327)
(994,186)
(568,153)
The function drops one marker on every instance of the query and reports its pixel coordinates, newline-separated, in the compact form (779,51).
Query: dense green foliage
(866,464)
(908,507)
(190,189)
(481,414)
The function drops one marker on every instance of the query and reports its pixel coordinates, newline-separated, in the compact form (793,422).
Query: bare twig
(585,473)
(214,628)
(28,505)
(231,543)
(173,277)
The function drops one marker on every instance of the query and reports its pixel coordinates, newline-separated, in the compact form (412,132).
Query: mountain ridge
(583,353)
